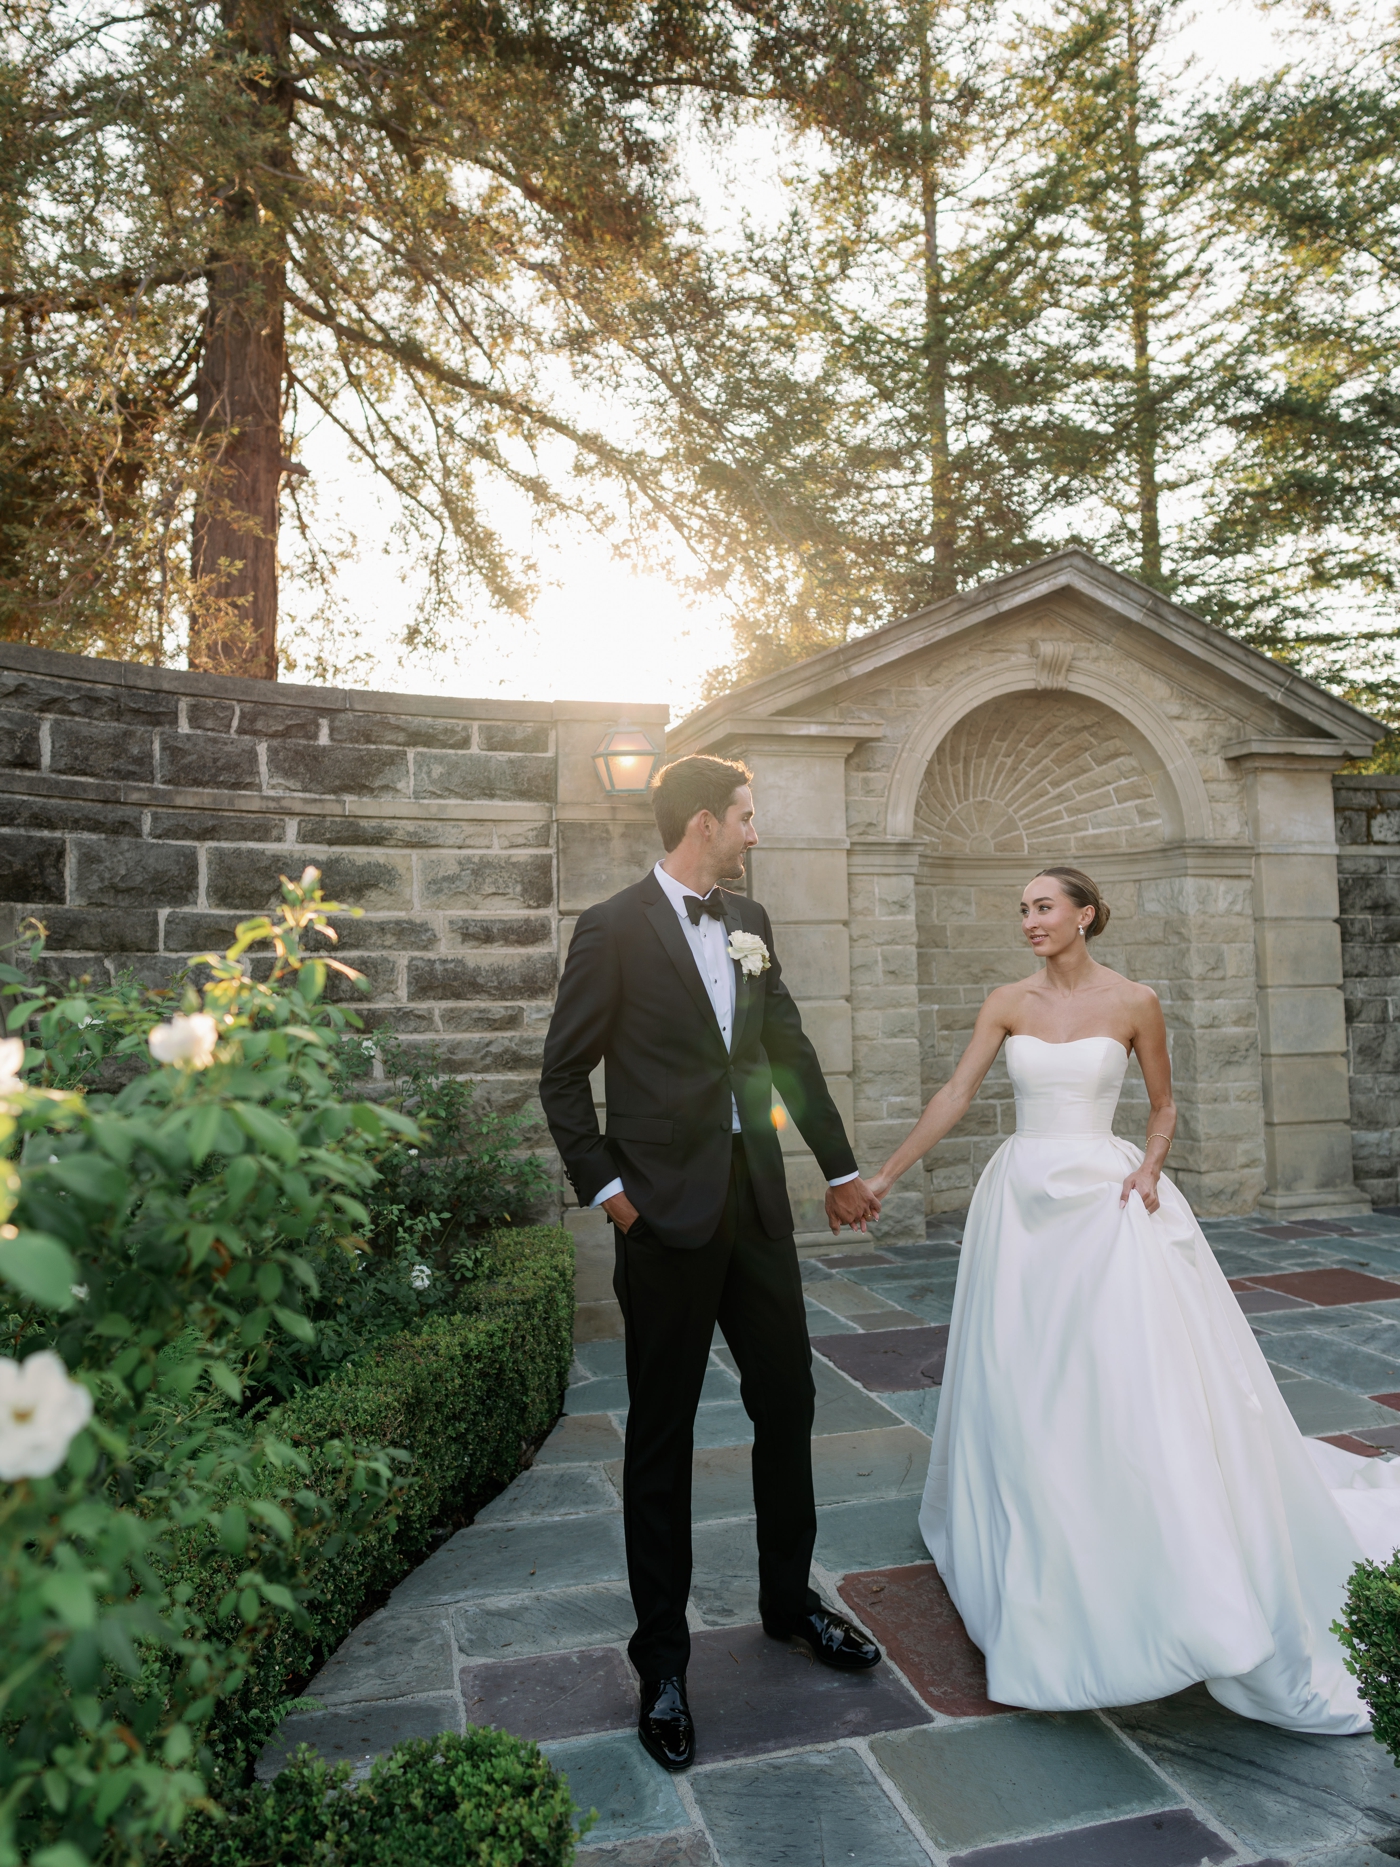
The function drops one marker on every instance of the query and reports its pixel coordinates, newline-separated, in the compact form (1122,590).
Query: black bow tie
(712,904)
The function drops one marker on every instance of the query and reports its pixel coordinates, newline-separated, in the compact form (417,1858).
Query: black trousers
(750,1284)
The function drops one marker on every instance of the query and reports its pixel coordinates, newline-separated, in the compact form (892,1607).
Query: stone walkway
(521,1621)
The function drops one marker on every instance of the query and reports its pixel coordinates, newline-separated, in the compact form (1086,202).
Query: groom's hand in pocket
(621,1211)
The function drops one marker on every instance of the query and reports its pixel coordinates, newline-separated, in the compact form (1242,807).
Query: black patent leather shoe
(831,1638)
(665,1725)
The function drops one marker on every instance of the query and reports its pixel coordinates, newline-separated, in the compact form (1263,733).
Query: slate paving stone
(355,1733)
(1326,1287)
(892,1361)
(887,1319)
(615,1777)
(724,1573)
(842,1407)
(1175,1838)
(826,1322)
(751,1694)
(1319,1407)
(686,1849)
(581,1439)
(604,1396)
(1261,1302)
(551,1491)
(879,1534)
(390,1655)
(506,1559)
(919,1407)
(552,1695)
(909,1612)
(550,1622)
(797,1811)
(1283,1792)
(856,1260)
(1345,1442)
(1341,1360)
(724,1425)
(884,1462)
(849,1299)
(602,1359)
(1003,1779)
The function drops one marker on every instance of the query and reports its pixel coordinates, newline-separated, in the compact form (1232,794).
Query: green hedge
(486,1798)
(1370,1633)
(463,1396)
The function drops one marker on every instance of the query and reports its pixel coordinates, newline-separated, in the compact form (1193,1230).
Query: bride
(1118,1498)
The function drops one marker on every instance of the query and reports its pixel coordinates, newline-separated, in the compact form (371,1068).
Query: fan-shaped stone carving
(1036,774)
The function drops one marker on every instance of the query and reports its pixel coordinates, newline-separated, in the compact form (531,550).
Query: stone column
(604,844)
(1298,959)
(798,872)
(885,1012)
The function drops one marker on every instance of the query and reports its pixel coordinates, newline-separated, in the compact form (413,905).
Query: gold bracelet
(1162,1137)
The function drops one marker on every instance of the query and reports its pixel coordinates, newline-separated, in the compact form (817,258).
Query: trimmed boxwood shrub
(1370,1633)
(463,1396)
(483,1800)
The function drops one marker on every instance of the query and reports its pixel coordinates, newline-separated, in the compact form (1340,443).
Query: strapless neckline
(1064,1043)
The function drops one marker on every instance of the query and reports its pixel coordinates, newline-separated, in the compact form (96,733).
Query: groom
(675,985)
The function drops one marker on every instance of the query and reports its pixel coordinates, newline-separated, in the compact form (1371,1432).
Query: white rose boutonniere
(751,953)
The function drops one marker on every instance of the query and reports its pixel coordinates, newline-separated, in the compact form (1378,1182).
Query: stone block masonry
(1368,884)
(145,812)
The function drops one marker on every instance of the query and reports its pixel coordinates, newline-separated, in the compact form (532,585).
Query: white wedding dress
(1118,1498)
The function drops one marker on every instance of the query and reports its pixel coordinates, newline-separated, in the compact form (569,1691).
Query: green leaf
(116,1786)
(267,1131)
(401,1124)
(203,1128)
(269,1282)
(233,1529)
(279,1596)
(68,1595)
(40,1268)
(311,980)
(240,1177)
(61,1854)
(116,1138)
(89,1177)
(224,1378)
(368,1119)
(273,1515)
(294,1323)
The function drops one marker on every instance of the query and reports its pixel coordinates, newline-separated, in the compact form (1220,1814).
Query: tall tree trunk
(1146,438)
(235,532)
(935,346)
(241,381)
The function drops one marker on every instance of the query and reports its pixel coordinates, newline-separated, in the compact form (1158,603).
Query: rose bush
(167,1164)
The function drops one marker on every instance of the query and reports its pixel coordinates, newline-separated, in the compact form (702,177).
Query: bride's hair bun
(1083,891)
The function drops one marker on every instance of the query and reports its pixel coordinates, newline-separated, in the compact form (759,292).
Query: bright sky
(600,631)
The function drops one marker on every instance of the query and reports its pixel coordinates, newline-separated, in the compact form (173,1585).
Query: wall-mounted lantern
(625,761)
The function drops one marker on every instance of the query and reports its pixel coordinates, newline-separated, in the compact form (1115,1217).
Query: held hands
(851,1204)
(1144,1184)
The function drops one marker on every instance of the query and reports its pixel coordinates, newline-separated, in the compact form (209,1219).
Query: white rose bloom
(11,1063)
(420,1276)
(184,1040)
(750,952)
(41,1412)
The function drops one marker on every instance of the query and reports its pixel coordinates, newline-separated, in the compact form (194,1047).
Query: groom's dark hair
(689,784)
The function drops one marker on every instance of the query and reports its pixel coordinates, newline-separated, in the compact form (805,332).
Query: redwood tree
(415,221)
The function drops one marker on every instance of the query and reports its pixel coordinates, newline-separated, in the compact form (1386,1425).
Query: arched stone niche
(1019,782)
(1062,711)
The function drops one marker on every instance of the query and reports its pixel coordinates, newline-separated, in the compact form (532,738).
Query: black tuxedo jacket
(632,994)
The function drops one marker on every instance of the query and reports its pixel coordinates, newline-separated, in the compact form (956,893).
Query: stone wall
(146,811)
(1368,876)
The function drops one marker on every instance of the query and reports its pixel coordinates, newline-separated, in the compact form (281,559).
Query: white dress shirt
(709,942)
